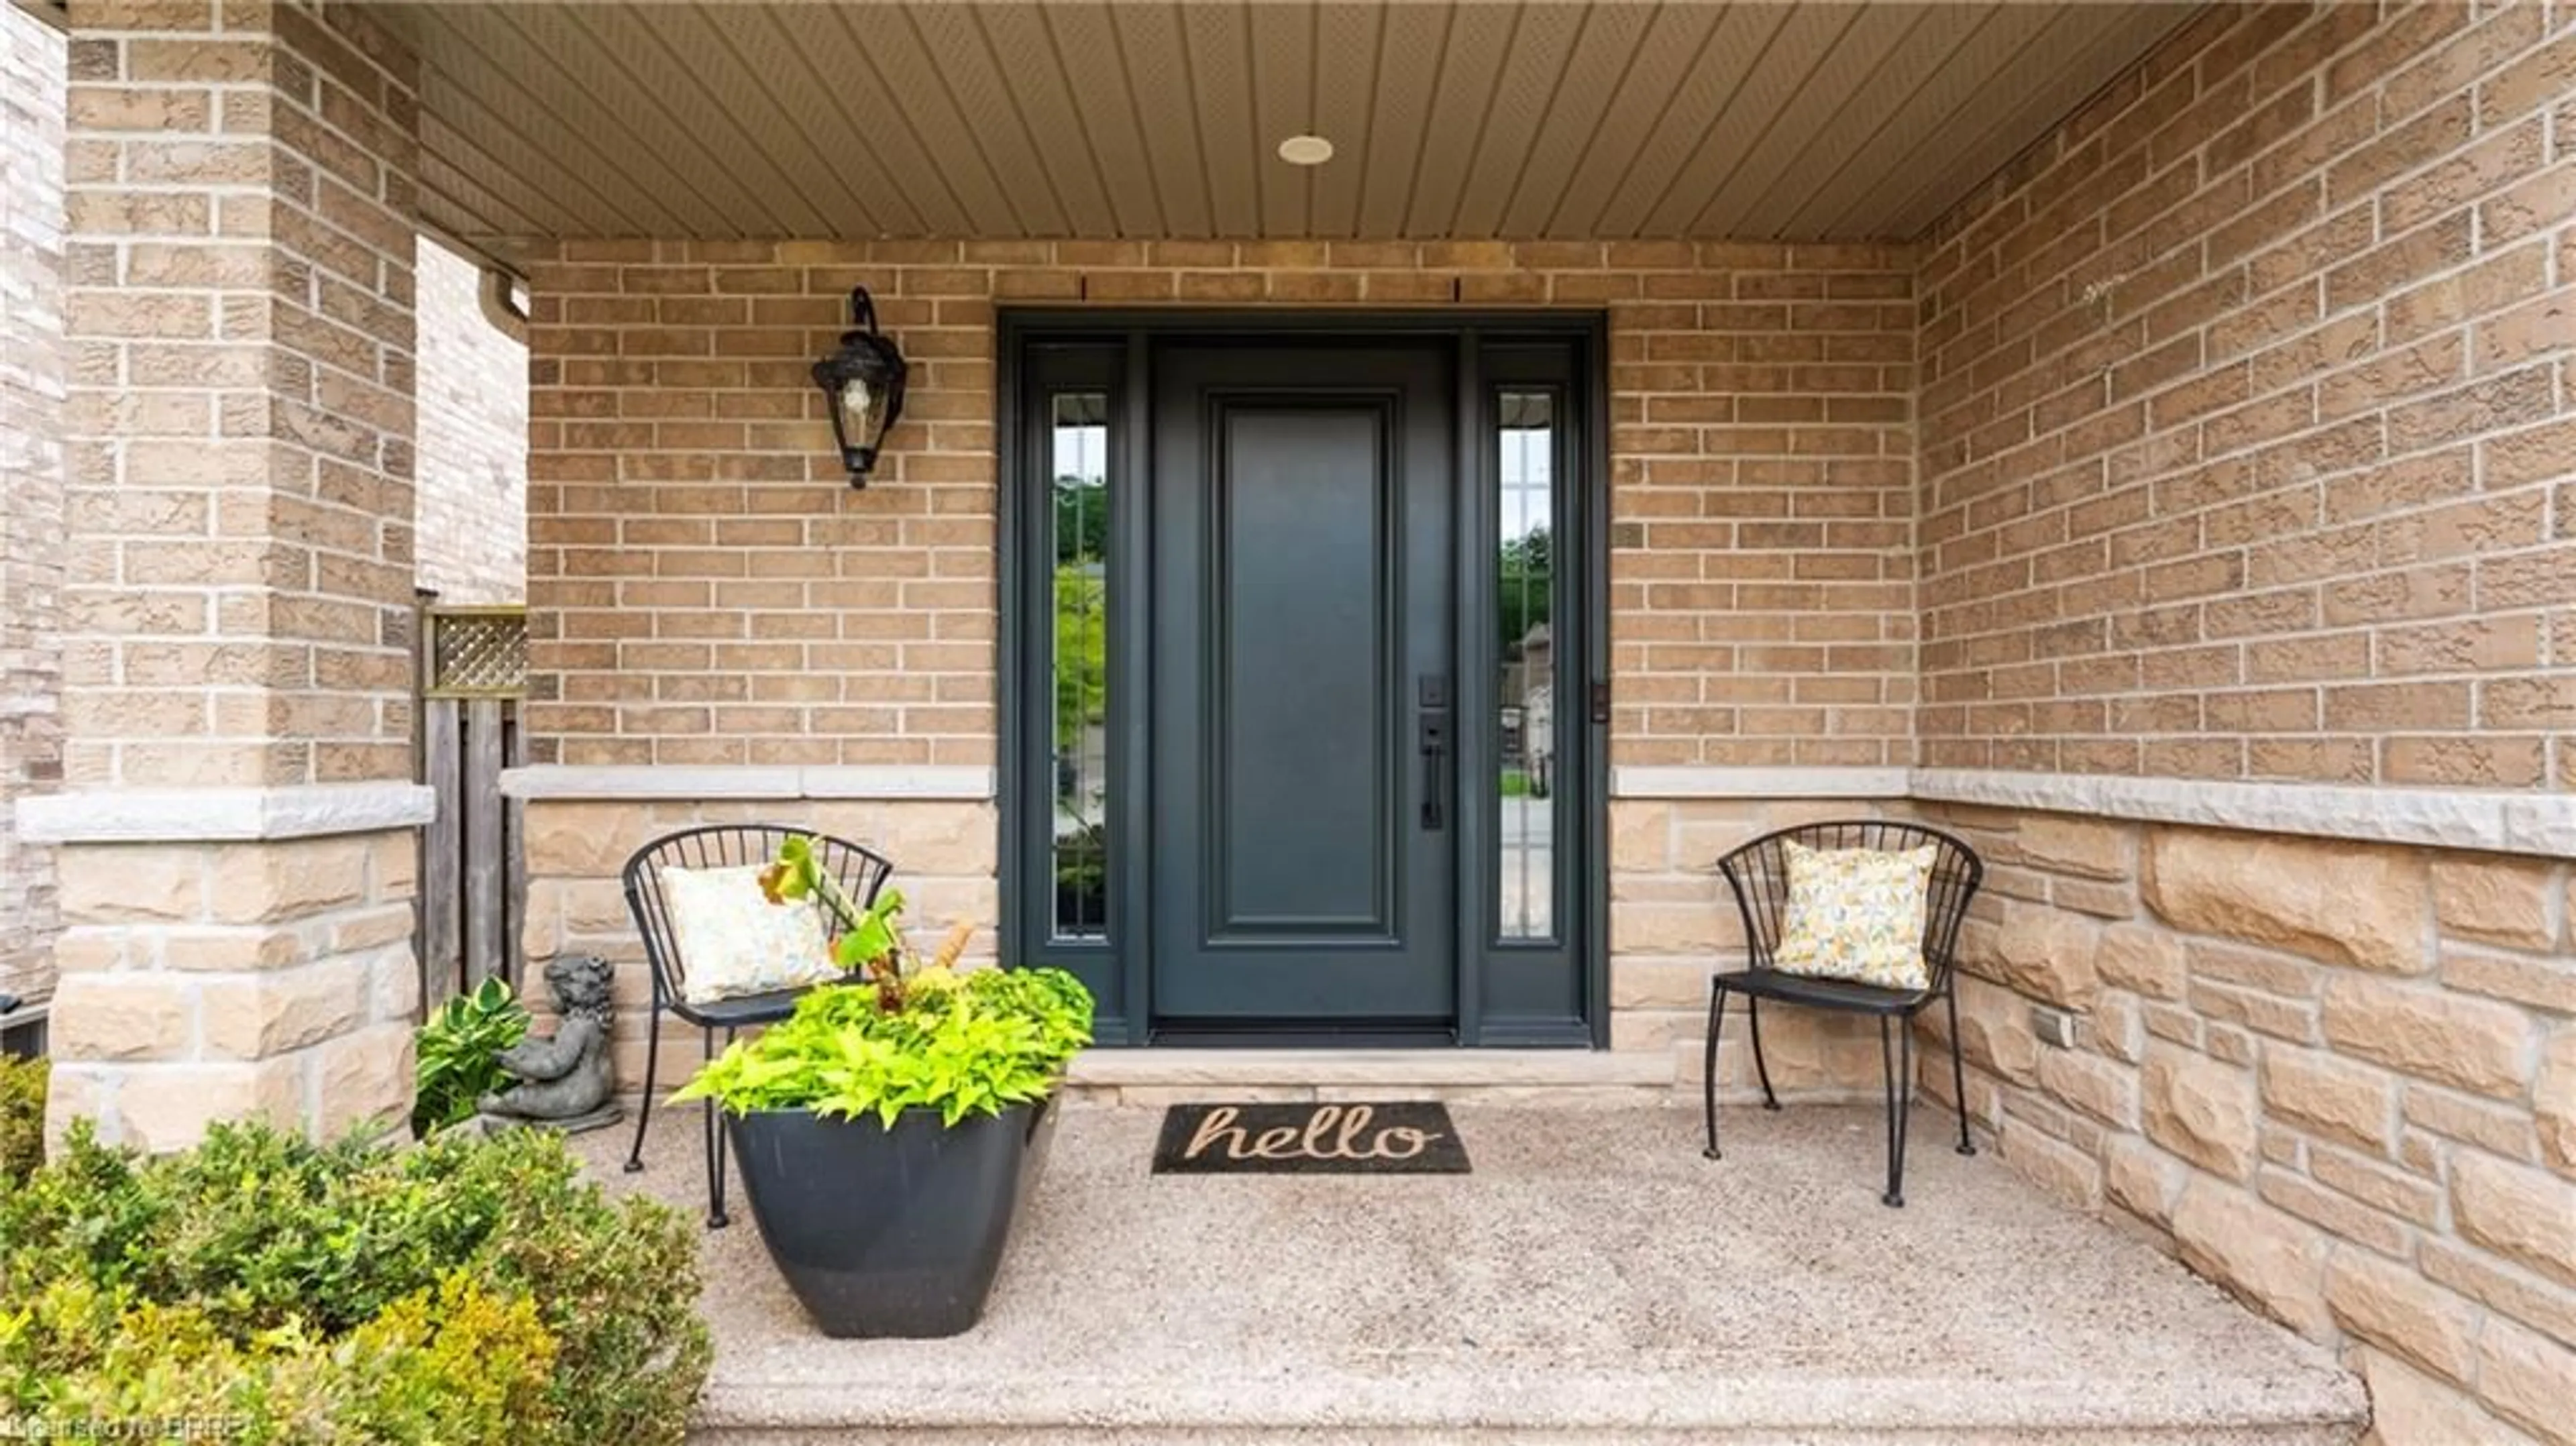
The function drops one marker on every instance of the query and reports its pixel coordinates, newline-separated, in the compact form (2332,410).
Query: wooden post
(514,824)
(442,856)
(486,951)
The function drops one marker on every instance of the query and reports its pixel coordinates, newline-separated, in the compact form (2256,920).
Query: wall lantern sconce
(863,384)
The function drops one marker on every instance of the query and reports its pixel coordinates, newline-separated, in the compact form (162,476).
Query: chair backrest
(1759,874)
(861,872)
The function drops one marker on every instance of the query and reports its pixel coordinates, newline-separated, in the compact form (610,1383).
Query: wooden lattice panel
(477,652)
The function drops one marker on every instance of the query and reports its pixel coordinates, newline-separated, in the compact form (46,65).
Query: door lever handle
(1435,750)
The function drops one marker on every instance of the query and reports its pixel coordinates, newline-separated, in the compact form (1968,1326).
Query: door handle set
(1433,693)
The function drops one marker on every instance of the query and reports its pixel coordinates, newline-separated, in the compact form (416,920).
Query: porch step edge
(2290,1434)
(2326,1404)
(1370,1068)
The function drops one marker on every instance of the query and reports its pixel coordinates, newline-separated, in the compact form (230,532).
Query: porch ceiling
(1451,119)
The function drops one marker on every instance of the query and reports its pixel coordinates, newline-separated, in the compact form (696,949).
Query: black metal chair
(715,846)
(1759,874)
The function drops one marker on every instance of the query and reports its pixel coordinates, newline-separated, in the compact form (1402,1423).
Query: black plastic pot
(890,1232)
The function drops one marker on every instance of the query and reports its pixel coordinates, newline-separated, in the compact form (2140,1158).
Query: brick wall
(31,479)
(239,426)
(472,397)
(708,589)
(239,600)
(2248,408)
(2246,445)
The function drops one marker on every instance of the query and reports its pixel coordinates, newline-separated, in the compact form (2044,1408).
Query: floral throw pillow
(1857,914)
(732,941)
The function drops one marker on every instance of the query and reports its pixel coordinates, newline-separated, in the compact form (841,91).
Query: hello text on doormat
(1404,1137)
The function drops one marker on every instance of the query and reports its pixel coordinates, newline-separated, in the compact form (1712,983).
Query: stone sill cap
(2495,821)
(720,781)
(219,815)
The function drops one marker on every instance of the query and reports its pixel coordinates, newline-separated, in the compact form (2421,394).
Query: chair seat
(741,1010)
(1828,993)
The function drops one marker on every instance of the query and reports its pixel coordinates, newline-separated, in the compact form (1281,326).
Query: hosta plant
(456,1054)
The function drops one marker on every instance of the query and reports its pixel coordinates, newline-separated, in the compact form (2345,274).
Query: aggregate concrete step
(2214,1435)
(1592,1281)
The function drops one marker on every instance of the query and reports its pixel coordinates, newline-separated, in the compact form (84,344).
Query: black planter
(890,1232)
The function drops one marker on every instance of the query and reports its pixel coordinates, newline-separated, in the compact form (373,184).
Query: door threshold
(1379,1069)
(1318,1036)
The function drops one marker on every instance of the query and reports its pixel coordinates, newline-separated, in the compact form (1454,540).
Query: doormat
(1404,1137)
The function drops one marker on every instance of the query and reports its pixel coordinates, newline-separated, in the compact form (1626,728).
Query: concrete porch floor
(1593,1280)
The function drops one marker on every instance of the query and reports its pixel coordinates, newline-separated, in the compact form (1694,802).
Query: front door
(1303,712)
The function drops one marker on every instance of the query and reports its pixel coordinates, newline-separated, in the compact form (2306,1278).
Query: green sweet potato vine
(961,1044)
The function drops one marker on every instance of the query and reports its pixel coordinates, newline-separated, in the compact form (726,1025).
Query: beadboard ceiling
(1452,119)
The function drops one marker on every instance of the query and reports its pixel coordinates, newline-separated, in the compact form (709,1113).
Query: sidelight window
(1078,652)
(1526,674)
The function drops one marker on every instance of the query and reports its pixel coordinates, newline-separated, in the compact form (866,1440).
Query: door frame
(1113,349)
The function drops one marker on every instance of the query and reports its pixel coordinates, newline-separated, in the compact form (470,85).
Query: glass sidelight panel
(1078,654)
(1525,688)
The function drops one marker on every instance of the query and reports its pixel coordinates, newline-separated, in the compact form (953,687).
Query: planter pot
(890,1232)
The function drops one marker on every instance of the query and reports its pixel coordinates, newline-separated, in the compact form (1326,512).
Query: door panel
(1303,591)
(1300,721)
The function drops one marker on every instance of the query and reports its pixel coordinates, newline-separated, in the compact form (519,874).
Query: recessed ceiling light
(1305,150)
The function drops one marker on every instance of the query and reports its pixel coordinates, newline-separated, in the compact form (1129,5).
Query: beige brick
(2407,1405)
(2141,1178)
(270,883)
(254,1018)
(2101,1088)
(2392,1307)
(2201,1110)
(2332,1097)
(2553,1101)
(364,1078)
(2041,951)
(2338,903)
(2524,1214)
(1995,1033)
(2499,901)
(2523,1376)
(2088,847)
(132,884)
(168,1108)
(2274,1261)
(2144,959)
(123,1017)
(2473,1044)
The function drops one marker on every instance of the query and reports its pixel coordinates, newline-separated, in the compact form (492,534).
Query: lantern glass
(863,413)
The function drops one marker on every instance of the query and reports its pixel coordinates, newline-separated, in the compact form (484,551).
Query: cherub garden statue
(567,1081)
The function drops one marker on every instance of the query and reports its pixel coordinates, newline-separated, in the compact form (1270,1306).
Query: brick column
(236,832)
(31,479)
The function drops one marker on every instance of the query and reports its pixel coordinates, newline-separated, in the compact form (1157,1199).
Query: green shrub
(466,1290)
(22,1117)
(456,1049)
(958,1044)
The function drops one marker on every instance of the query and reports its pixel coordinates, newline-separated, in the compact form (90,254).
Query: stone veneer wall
(472,398)
(31,481)
(2339,1078)
(2248,402)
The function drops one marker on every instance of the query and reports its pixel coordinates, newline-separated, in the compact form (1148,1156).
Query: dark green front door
(1303,711)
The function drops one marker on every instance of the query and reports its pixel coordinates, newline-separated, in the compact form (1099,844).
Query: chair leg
(644,1111)
(715,1149)
(1753,1017)
(1708,1068)
(1898,1058)
(1959,1077)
